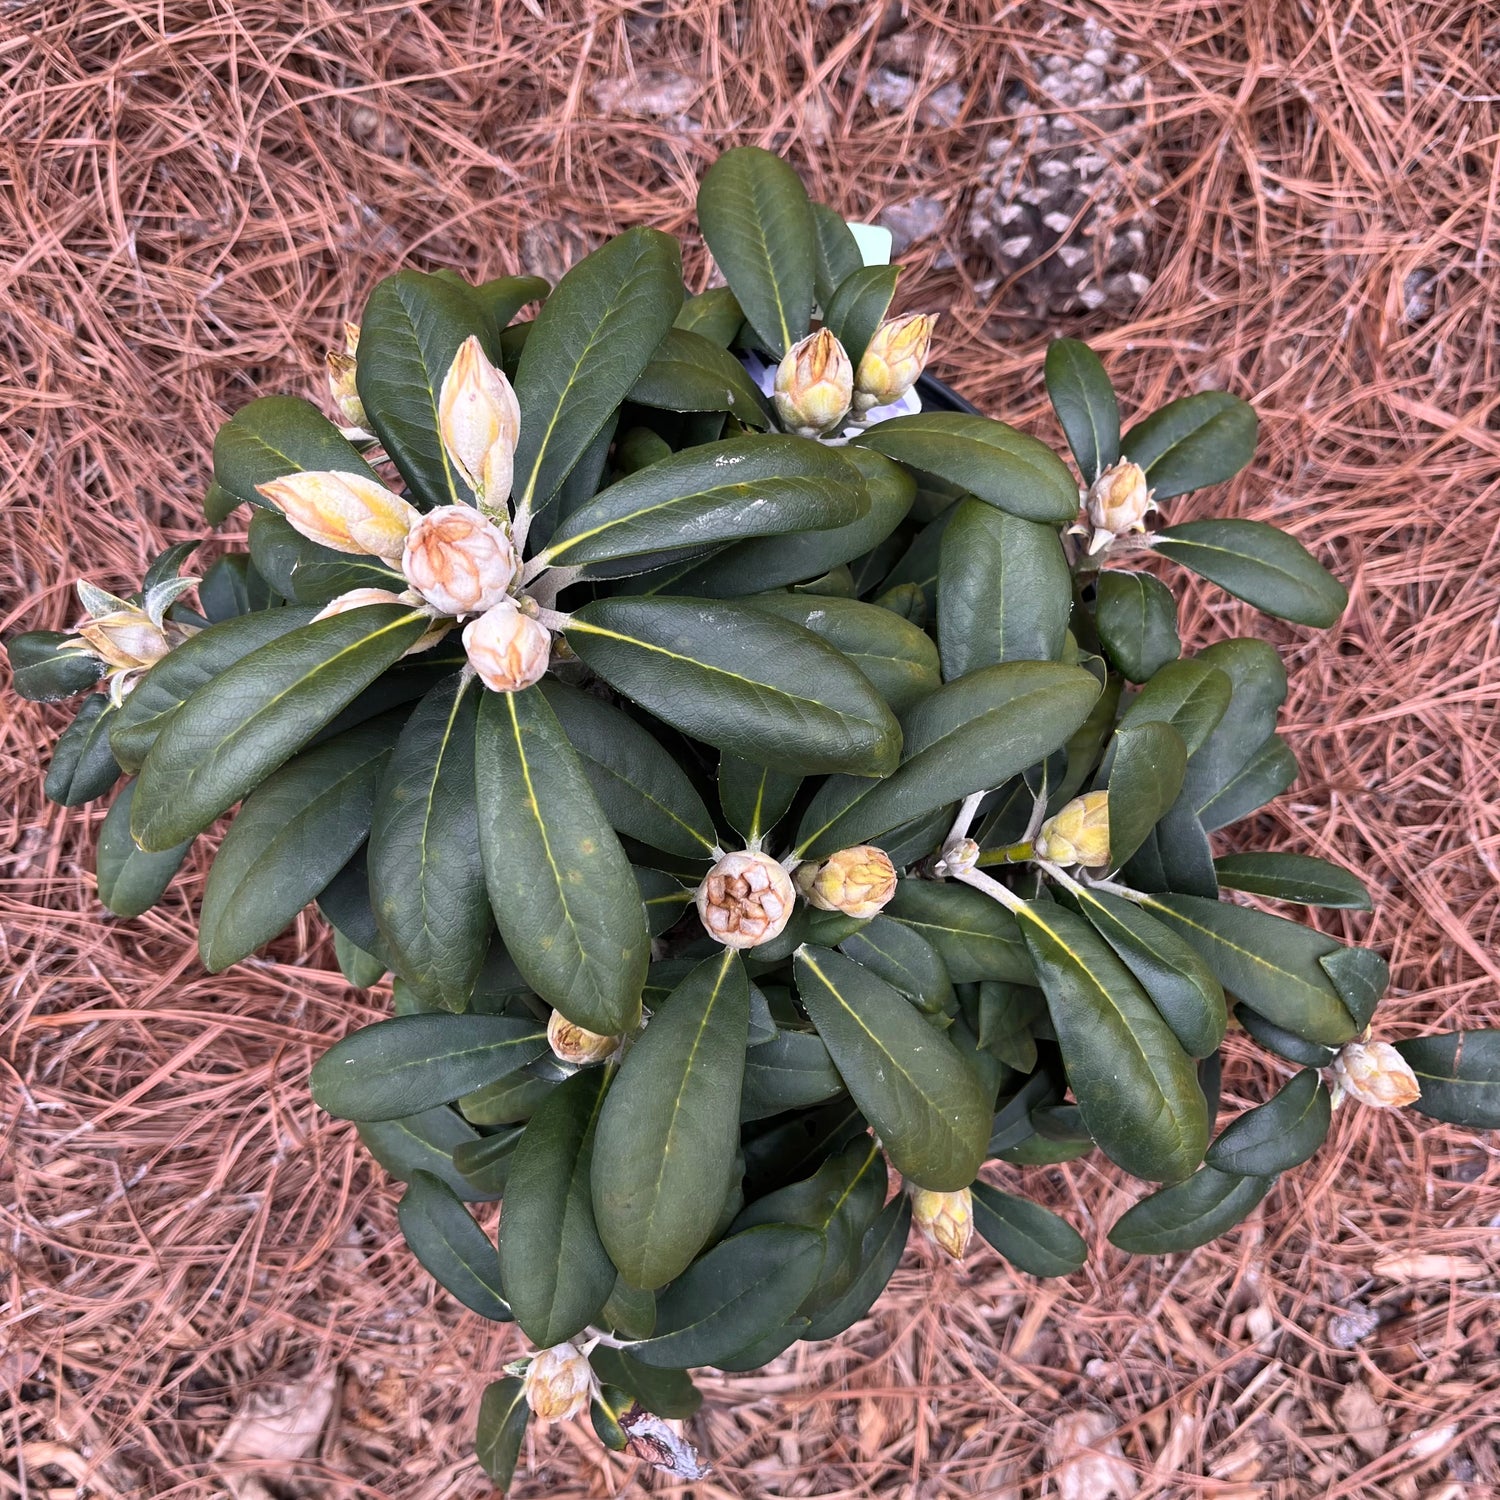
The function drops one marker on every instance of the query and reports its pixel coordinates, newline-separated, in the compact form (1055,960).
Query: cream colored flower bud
(575,1044)
(342,387)
(947,1219)
(508,649)
(351,338)
(460,561)
(558,1383)
(857,882)
(746,899)
(364,598)
(1118,501)
(346,512)
(814,385)
(126,639)
(1078,834)
(480,421)
(894,361)
(1376,1074)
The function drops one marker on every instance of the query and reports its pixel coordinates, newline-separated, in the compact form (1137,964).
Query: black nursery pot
(938,396)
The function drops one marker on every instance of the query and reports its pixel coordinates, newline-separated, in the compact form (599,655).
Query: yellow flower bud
(480,420)
(346,512)
(1078,834)
(1376,1074)
(341,386)
(947,1219)
(746,899)
(894,361)
(814,385)
(558,1383)
(460,561)
(857,882)
(1118,501)
(508,649)
(575,1044)
(126,639)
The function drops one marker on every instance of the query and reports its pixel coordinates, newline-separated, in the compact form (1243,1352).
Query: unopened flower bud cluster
(817,388)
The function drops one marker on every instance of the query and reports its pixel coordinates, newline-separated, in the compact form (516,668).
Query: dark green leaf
(901,956)
(555,1269)
(231,587)
(485,1163)
(738,1292)
(689,372)
(919,1094)
(667,1393)
(791,1071)
(856,308)
(1361,976)
(503,1415)
(83,763)
(426,874)
(1191,696)
(1085,404)
(1259,564)
(838,255)
(740,680)
(1197,441)
(452,1248)
(1266,775)
(559,882)
(295,832)
(1268,962)
(423,1142)
(1175,856)
(303,572)
(1136,1087)
(1007,1013)
(1459,1074)
(1282,1042)
(670,1128)
(44,672)
(879,1255)
(409,1064)
(1189,1213)
(754,798)
(1004,590)
(587,348)
(745,487)
(1012,1124)
(975,937)
(1258,689)
(1144,781)
(511,1100)
(276,436)
(503,297)
(758,222)
(1030,1237)
(1293,877)
(130,880)
(1279,1135)
(1136,617)
(630,1311)
(989,460)
(713,314)
(970,735)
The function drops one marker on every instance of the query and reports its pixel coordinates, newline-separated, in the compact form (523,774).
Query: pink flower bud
(746,899)
(814,385)
(857,882)
(509,650)
(478,414)
(1376,1074)
(346,512)
(364,598)
(558,1383)
(894,360)
(460,561)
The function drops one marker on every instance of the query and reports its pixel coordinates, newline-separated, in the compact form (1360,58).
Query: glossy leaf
(231,587)
(1007,1013)
(1175,856)
(423,1142)
(670,1127)
(1293,877)
(302,572)
(989,460)
(43,672)
(754,798)
(1004,590)
(713,314)
(451,1247)
(130,880)
(791,1071)
(1260,564)
(689,372)
(1282,1042)
(975,937)
(741,681)
(667,1393)
(501,298)
(1258,688)
(556,1272)
(738,1292)
(1268,962)
(1264,777)
(1196,441)
(838,255)
(83,763)
(485,1163)
(259,712)
(1190,695)
(1459,1074)
(559,882)
(1280,1134)
(880,1253)
(1030,1237)
(1361,977)
(587,348)
(858,305)
(1135,1085)
(409,1064)
(919,1094)
(1136,617)
(758,222)
(1146,771)
(276,436)
(1085,404)
(901,956)
(503,1415)
(293,834)
(1189,1213)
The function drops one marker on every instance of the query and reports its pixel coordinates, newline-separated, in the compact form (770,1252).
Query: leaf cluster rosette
(845,805)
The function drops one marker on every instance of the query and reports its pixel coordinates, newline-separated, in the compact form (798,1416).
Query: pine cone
(1062,215)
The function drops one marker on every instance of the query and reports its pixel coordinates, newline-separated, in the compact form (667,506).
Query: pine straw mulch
(198,193)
